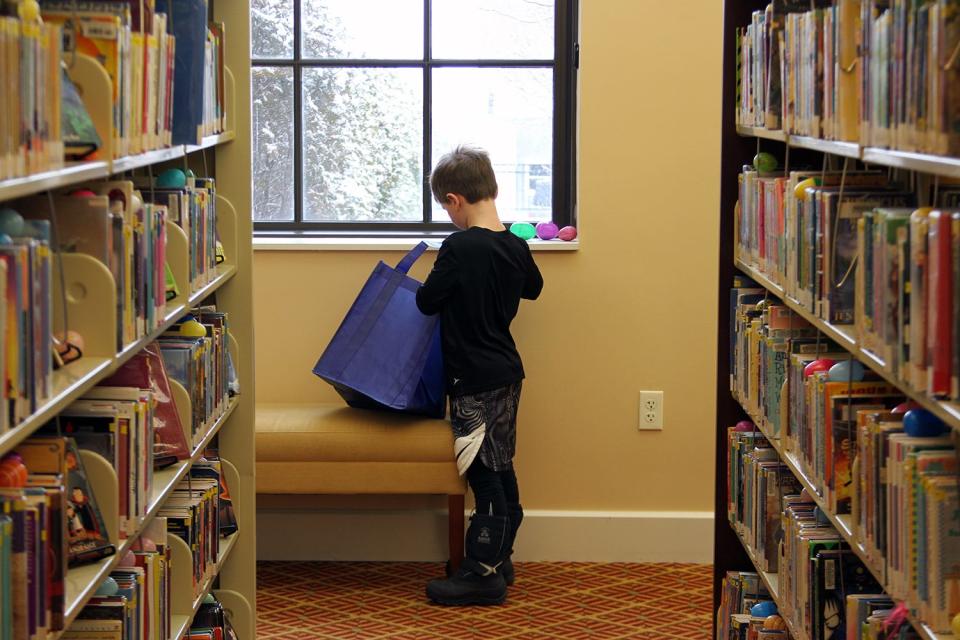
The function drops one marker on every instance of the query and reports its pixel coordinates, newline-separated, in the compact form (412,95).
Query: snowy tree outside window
(353,101)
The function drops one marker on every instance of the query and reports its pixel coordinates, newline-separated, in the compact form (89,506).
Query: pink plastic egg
(567,234)
(745,425)
(547,230)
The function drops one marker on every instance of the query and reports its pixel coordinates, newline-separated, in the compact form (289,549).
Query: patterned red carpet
(572,601)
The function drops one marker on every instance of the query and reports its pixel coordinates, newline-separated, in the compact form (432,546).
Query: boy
(476,284)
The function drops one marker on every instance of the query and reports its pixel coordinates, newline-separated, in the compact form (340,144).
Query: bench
(328,449)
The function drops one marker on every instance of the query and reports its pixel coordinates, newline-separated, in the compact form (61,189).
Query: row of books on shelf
(126,229)
(164,61)
(875,72)
(50,520)
(747,612)
(871,456)
(854,249)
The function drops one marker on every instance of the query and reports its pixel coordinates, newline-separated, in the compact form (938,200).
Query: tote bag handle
(404,265)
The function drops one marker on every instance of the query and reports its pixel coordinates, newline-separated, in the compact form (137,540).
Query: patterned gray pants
(485,426)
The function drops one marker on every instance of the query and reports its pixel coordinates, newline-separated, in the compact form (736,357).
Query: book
(80,138)
(88,537)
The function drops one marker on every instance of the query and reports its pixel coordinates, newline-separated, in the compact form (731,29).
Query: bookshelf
(227,157)
(739,144)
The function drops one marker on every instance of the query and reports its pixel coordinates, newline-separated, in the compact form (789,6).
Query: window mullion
(427,111)
(297,118)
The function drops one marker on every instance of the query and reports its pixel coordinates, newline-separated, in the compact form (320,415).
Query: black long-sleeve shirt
(476,285)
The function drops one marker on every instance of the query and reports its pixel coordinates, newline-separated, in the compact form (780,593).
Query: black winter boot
(477,582)
(515,512)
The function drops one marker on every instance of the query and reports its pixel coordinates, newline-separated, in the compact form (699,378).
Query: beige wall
(633,309)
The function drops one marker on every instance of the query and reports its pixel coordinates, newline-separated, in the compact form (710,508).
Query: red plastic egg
(823,364)
(567,234)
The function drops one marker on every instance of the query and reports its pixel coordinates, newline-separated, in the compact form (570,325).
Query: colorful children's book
(87,533)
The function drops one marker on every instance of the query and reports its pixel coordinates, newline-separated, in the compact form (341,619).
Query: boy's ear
(453,200)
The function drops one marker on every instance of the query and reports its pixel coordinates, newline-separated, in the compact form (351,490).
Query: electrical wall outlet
(651,410)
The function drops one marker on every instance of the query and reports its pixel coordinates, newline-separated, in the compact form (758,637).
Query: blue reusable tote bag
(386,354)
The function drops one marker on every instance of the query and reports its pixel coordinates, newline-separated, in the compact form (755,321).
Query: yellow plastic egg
(955,625)
(800,191)
(193,329)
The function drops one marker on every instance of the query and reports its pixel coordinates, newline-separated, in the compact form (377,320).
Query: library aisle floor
(576,601)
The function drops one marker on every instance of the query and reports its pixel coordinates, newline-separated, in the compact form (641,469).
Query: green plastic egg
(172,179)
(764,161)
(11,222)
(523,230)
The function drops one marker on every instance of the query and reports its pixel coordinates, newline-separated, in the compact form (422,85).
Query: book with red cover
(146,371)
(940,305)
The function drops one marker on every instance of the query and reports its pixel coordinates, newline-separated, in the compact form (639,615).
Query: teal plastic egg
(172,179)
(823,364)
(846,371)
(209,599)
(11,222)
(189,173)
(5,238)
(108,587)
(523,230)
(921,423)
(763,609)
(764,161)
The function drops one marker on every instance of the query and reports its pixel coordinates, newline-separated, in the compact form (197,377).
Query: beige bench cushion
(326,448)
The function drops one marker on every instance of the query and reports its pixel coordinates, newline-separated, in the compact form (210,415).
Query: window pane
(363,29)
(271,28)
(508,112)
(362,144)
(497,29)
(273,197)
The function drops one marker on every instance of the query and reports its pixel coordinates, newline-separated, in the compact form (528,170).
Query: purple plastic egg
(745,425)
(547,230)
(567,234)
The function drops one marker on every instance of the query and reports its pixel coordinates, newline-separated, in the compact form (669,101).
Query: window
(354,100)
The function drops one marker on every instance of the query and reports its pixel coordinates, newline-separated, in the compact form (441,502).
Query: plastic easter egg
(189,173)
(904,407)
(5,239)
(921,423)
(11,222)
(523,230)
(209,599)
(547,230)
(136,204)
(774,622)
(955,625)
(823,364)
(193,329)
(846,371)
(805,495)
(108,587)
(745,425)
(83,193)
(764,161)
(800,191)
(172,179)
(29,11)
(763,609)
(567,234)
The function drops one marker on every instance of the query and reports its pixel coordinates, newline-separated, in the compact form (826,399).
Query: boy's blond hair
(465,171)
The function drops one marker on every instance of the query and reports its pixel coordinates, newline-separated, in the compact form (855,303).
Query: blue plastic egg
(846,371)
(108,587)
(5,239)
(763,609)
(921,423)
(11,222)
(172,179)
